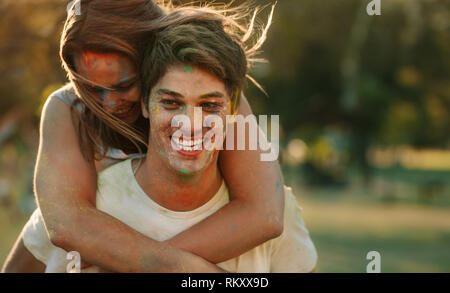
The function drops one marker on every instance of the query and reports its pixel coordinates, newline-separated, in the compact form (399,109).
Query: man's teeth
(190,145)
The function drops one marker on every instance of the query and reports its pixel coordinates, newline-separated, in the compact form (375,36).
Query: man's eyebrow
(169,92)
(178,95)
(212,95)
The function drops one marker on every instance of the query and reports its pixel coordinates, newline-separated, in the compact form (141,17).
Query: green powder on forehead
(188,69)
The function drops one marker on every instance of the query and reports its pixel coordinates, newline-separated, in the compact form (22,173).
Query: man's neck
(176,191)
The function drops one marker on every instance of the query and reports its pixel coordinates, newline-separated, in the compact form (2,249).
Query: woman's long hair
(126,27)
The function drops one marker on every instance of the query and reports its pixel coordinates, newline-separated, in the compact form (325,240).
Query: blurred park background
(364,105)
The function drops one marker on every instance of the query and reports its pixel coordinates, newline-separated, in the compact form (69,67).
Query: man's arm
(65,185)
(254,214)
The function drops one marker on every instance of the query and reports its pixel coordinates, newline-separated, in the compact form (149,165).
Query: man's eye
(170,104)
(209,106)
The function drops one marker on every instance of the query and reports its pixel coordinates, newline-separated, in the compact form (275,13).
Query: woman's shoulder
(66,94)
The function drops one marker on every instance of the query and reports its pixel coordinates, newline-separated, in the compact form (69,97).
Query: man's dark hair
(208,40)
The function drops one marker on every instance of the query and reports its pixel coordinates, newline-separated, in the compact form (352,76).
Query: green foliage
(29,46)
(401,60)
(373,80)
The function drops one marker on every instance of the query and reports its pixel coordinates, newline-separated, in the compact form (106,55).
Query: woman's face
(115,81)
(180,91)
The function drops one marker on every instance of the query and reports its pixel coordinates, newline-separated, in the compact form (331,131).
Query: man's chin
(188,166)
(188,173)
(187,169)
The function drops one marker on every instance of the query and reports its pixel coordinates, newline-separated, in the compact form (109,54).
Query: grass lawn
(410,238)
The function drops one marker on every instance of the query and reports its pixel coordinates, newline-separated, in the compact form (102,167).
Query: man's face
(116,77)
(179,91)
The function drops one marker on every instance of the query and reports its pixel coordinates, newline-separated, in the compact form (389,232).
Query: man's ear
(144,110)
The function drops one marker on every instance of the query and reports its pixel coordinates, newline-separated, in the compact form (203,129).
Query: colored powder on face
(90,59)
(125,79)
(102,95)
(185,177)
(108,59)
(188,69)
(111,104)
(162,153)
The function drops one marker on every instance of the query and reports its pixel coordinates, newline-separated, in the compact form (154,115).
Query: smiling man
(194,67)
(191,67)
(185,95)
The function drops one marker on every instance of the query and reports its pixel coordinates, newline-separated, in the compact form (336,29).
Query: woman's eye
(125,87)
(96,90)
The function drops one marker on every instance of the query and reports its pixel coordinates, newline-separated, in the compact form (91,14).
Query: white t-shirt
(120,196)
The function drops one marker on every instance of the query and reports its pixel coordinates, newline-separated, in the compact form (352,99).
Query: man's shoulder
(291,202)
(293,250)
(118,174)
(293,224)
(293,213)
